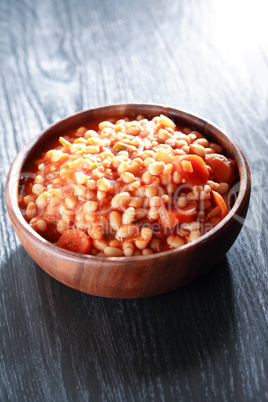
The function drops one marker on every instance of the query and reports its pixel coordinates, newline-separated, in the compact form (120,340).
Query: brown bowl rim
(11,191)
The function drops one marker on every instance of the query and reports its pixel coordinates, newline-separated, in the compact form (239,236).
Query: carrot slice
(221,203)
(223,168)
(186,214)
(75,240)
(180,215)
(197,175)
(168,219)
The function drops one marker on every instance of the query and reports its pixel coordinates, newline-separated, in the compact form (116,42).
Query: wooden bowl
(140,276)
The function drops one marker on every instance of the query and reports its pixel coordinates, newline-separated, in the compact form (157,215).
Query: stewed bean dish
(127,188)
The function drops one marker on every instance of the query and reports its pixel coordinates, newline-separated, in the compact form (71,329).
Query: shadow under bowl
(139,276)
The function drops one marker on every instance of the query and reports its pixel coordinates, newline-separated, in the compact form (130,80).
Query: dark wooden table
(207,341)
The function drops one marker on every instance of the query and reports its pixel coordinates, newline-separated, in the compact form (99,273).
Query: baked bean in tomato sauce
(128,188)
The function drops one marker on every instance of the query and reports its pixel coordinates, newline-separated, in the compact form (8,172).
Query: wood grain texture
(207,341)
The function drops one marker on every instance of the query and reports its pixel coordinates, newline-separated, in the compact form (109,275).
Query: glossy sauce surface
(128,187)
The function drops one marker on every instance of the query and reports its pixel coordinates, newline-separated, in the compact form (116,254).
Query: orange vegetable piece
(165,219)
(168,219)
(221,203)
(197,175)
(223,168)
(180,215)
(186,214)
(75,240)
